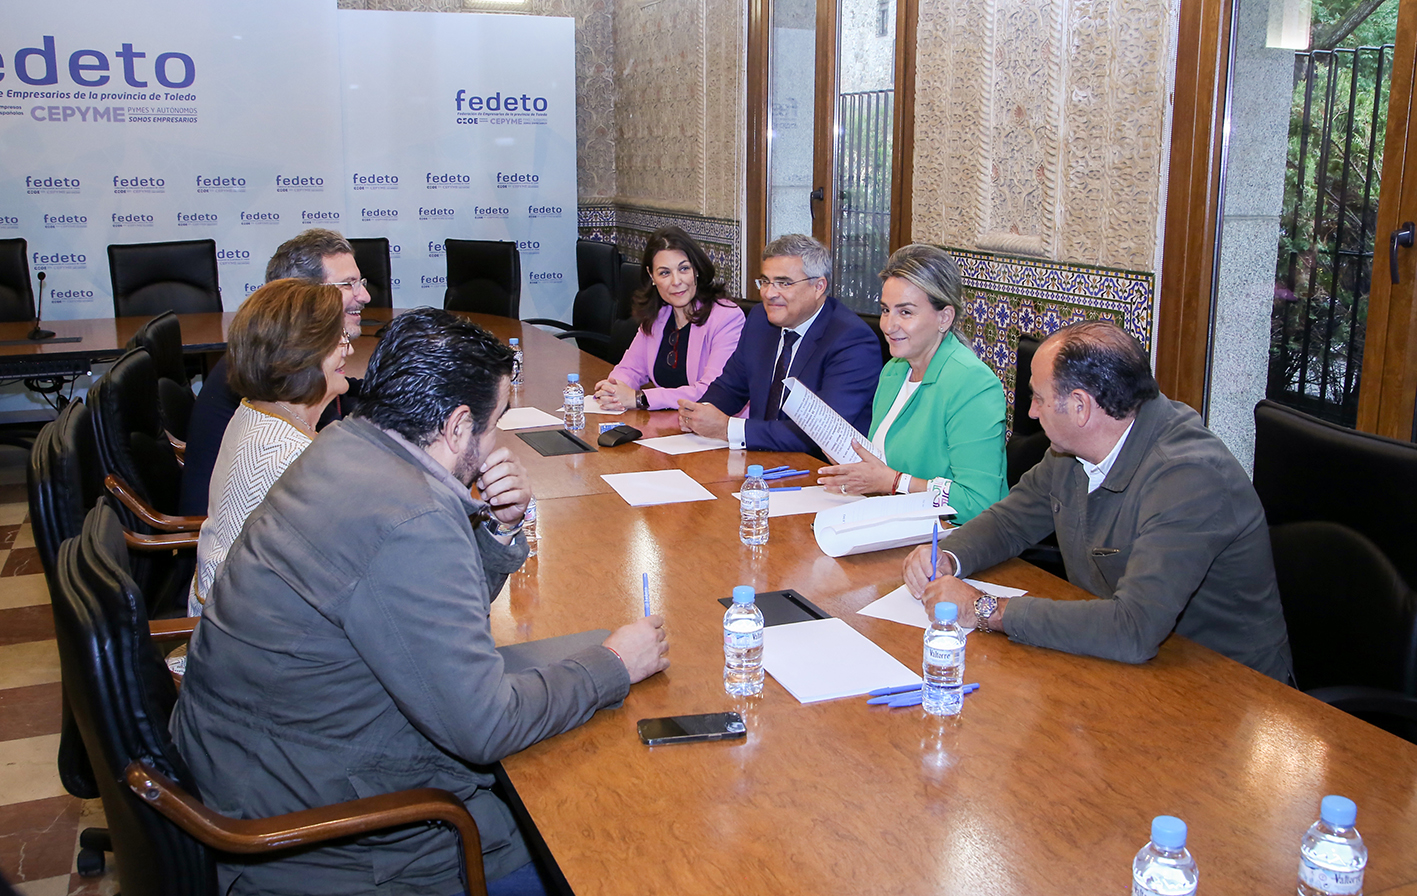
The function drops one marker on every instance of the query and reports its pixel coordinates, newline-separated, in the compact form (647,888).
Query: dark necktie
(784,360)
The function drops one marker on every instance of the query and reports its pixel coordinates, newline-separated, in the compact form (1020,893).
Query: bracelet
(502,528)
(614,651)
(895,485)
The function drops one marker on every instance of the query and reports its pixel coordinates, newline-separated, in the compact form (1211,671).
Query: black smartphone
(688,729)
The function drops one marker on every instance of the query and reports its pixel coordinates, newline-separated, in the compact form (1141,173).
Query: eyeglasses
(351,284)
(781,282)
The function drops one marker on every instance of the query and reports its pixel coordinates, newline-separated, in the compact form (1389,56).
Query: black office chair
(1028,444)
(593,314)
(874,322)
(162,337)
(150,278)
(122,695)
(372,256)
(484,276)
(16,287)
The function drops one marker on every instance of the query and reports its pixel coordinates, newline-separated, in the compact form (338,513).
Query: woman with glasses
(687,329)
(938,415)
(285,356)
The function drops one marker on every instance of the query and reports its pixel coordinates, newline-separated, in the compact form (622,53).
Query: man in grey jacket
(351,654)
(1153,514)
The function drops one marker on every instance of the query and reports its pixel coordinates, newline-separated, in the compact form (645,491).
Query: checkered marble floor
(39,821)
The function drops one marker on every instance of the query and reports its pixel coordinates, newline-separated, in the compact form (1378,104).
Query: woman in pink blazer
(687,329)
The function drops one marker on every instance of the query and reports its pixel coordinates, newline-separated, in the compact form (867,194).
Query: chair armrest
(584,334)
(547,322)
(168,541)
(1354,698)
(309,826)
(178,446)
(145,512)
(179,629)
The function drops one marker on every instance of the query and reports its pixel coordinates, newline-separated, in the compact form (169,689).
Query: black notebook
(552,442)
(782,607)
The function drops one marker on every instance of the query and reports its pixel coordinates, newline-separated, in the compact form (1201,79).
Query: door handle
(820,194)
(1403,237)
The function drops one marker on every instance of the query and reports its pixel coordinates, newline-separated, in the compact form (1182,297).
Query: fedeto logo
(66,220)
(543,211)
(233,255)
(138,184)
(435,181)
(308,217)
(299,182)
(39,66)
(185,219)
(496,102)
(134,220)
(517,177)
(260,218)
(374,181)
(435,214)
(544,276)
(426,281)
(68,258)
(59,295)
(378,214)
(207,183)
(9,221)
(490,211)
(51,184)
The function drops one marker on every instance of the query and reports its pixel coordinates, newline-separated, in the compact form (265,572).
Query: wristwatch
(642,401)
(984,607)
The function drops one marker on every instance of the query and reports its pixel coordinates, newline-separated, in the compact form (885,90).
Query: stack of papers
(592,406)
(901,606)
(657,487)
(875,524)
(824,659)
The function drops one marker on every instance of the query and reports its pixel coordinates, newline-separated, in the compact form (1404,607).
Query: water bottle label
(942,657)
(1325,880)
(743,640)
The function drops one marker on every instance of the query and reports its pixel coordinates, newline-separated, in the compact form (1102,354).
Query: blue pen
(786,474)
(644,580)
(934,551)
(777,469)
(911,696)
(786,488)
(901,689)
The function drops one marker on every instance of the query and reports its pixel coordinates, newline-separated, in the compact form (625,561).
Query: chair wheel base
(90,863)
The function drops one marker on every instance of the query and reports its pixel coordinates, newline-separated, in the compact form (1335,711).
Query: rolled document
(823,425)
(875,524)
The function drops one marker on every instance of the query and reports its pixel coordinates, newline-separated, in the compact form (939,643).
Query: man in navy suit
(798,331)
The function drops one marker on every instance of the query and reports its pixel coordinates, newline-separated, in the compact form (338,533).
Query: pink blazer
(710,345)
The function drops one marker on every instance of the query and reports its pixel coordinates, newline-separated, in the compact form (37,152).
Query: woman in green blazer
(938,415)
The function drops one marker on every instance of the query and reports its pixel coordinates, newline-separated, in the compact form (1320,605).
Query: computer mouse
(618,436)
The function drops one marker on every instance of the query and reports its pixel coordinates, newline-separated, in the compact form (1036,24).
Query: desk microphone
(37,334)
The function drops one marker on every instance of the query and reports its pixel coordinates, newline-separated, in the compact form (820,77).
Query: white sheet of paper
(657,487)
(526,418)
(592,406)
(875,524)
(823,425)
(901,606)
(810,499)
(823,659)
(687,443)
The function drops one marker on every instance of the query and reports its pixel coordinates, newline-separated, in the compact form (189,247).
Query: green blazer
(953,426)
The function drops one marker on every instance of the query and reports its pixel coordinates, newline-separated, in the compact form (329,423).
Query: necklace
(290,410)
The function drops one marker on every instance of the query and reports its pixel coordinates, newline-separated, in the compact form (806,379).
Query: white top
(255,450)
(907,389)
(1098,472)
(738,426)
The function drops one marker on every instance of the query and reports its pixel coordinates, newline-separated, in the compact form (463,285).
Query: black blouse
(671,362)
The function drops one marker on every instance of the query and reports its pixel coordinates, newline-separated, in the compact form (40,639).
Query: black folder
(553,442)
(782,607)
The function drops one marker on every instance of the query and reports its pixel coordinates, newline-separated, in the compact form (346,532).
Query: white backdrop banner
(463,126)
(135,122)
(125,122)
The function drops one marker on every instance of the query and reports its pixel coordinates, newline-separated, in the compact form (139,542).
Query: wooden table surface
(105,337)
(1047,783)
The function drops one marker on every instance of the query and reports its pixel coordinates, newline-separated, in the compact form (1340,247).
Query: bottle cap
(514,341)
(1168,832)
(755,469)
(1338,811)
(743,594)
(946,612)
(573,377)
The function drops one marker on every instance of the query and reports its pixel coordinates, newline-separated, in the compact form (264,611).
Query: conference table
(88,342)
(1046,783)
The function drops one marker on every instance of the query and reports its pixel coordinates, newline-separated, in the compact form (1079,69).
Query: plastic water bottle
(753,508)
(1164,866)
(529,526)
(573,403)
(516,345)
(944,662)
(1332,855)
(743,645)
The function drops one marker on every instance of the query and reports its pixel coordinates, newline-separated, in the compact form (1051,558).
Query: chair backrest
(162,337)
(484,276)
(1352,619)
(372,256)
(632,277)
(874,322)
(598,275)
(150,278)
(16,289)
(129,429)
(1027,443)
(1306,469)
(65,478)
(122,697)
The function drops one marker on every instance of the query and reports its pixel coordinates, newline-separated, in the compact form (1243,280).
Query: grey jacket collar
(425,460)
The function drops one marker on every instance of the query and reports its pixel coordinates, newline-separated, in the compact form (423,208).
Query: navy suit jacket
(839,359)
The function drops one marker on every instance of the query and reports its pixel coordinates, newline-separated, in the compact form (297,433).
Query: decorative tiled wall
(1005,297)
(630,226)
